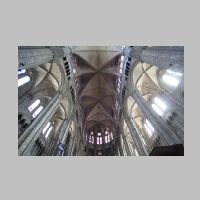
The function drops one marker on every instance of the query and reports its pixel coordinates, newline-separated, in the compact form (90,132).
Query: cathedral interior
(100,101)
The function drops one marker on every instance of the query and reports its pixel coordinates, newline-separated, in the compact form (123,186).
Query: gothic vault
(100,100)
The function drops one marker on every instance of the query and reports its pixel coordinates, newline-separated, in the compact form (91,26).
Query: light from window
(91,139)
(21,71)
(136,153)
(160,103)
(120,71)
(48,132)
(158,110)
(23,80)
(34,105)
(100,140)
(148,130)
(37,111)
(46,127)
(174,73)
(170,80)
(106,139)
(122,58)
(111,135)
(149,125)
(97,140)
(99,134)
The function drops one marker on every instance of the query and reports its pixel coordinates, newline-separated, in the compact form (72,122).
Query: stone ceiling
(98,71)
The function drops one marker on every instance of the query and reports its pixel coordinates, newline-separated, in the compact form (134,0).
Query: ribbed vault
(98,70)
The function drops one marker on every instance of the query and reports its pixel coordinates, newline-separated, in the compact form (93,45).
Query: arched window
(111,135)
(37,111)
(170,80)
(159,106)
(106,138)
(149,128)
(48,132)
(91,137)
(169,71)
(23,80)
(47,129)
(99,138)
(34,105)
